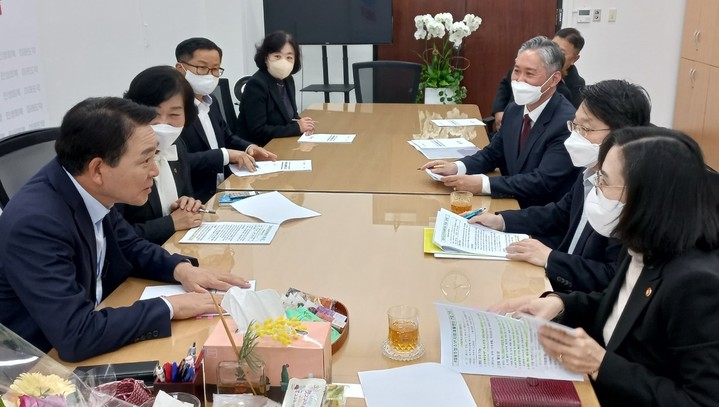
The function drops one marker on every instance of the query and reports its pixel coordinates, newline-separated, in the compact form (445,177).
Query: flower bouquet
(30,378)
(442,65)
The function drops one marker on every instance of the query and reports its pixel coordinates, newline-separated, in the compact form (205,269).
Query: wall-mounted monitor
(320,22)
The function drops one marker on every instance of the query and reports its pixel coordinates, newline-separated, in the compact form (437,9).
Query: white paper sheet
(480,342)
(231,233)
(467,256)
(423,384)
(454,234)
(272,207)
(326,138)
(458,122)
(169,290)
(268,167)
(435,149)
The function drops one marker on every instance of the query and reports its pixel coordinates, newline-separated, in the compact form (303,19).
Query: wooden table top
(379,160)
(365,250)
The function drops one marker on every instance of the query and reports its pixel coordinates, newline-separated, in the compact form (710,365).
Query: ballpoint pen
(474,213)
(433,167)
(210,211)
(296,120)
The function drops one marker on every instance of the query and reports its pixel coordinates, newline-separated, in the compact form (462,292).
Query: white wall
(642,46)
(95,47)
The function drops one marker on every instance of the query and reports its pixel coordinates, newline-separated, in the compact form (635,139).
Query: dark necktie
(524,135)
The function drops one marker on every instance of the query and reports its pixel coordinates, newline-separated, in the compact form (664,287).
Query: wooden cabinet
(696,111)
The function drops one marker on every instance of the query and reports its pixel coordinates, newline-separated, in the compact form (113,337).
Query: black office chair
(21,156)
(227,107)
(240,86)
(386,81)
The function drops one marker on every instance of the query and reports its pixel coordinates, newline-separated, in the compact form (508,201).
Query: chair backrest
(386,81)
(227,108)
(21,156)
(240,87)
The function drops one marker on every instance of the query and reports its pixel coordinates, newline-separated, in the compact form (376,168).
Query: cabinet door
(699,30)
(710,138)
(691,98)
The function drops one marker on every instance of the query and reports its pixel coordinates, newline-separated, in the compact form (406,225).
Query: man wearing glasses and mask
(210,143)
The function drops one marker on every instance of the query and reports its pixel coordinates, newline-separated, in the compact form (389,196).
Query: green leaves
(441,69)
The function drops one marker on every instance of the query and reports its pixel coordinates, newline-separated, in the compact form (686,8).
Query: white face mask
(582,152)
(280,69)
(201,84)
(525,94)
(602,213)
(166,135)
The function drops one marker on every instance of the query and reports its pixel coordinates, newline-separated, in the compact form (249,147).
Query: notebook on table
(531,392)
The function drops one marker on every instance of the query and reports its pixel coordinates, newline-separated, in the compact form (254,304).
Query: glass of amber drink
(460,201)
(403,341)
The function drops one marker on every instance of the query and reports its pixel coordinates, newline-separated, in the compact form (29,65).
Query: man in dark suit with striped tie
(529,147)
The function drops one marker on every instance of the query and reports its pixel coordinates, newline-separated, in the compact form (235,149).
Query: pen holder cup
(196,387)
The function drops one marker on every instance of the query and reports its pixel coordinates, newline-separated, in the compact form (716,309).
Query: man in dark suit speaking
(529,147)
(64,248)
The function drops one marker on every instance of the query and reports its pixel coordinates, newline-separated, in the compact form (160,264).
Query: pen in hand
(313,121)
(209,211)
(474,213)
(433,167)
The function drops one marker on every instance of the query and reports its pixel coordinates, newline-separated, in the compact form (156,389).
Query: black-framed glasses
(204,70)
(583,131)
(599,184)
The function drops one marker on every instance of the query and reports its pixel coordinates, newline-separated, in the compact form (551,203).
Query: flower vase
(236,377)
(433,96)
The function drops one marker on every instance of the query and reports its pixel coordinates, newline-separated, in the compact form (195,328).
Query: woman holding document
(652,337)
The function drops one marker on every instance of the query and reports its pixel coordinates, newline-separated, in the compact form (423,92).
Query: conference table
(379,160)
(364,250)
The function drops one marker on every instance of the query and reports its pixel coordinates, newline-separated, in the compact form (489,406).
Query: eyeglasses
(600,183)
(583,131)
(204,70)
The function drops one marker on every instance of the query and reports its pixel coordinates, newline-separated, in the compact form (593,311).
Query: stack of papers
(268,167)
(458,238)
(435,149)
(231,233)
(326,138)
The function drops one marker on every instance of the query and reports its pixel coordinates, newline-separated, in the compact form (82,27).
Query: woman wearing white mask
(652,337)
(170,206)
(268,108)
(574,255)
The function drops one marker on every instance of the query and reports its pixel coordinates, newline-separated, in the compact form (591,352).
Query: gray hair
(548,51)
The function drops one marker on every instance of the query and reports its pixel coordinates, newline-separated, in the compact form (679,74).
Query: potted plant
(441,77)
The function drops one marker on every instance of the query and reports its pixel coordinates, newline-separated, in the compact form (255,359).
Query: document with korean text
(231,233)
(434,149)
(326,138)
(457,122)
(480,342)
(268,167)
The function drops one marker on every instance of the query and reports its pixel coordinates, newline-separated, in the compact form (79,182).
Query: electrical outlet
(612,15)
(597,15)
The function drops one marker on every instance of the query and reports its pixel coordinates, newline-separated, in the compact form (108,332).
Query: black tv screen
(319,22)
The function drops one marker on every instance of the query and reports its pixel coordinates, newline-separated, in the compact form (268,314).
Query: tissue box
(309,354)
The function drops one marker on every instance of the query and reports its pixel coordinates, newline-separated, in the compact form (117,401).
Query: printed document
(435,149)
(326,138)
(457,122)
(231,233)
(268,167)
(422,384)
(431,248)
(272,207)
(480,342)
(454,234)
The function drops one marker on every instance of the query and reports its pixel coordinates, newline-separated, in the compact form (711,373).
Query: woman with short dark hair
(268,108)
(170,206)
(652,337)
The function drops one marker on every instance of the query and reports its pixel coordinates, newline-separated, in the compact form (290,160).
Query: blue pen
(474,213)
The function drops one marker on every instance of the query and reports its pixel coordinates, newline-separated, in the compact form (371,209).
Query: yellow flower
(40,385)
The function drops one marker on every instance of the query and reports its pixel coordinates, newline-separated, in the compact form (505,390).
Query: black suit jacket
(147,219)
(206,163)
(665,348)
(570,87)
(595,263)
(48,275)
(262,112)
(543,171)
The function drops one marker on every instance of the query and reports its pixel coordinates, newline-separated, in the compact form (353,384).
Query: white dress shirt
(633,272)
